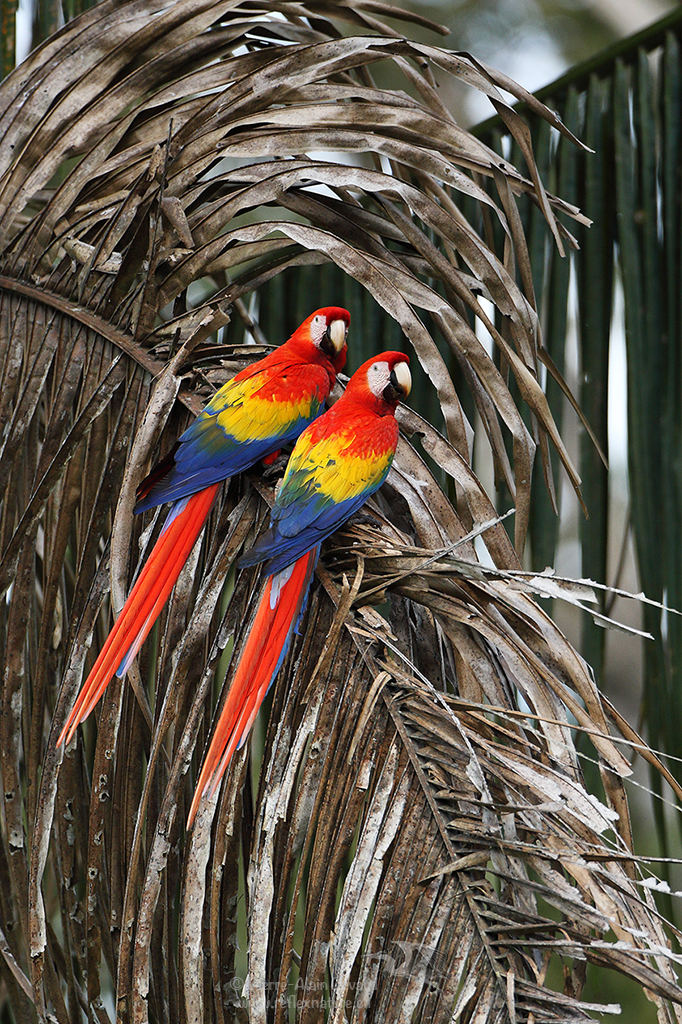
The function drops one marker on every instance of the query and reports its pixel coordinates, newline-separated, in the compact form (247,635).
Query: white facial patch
(318,325)
(378,378)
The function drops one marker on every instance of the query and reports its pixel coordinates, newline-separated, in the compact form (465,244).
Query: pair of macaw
(339,460)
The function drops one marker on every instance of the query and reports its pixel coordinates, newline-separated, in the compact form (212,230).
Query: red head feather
(381,382)
(325,329)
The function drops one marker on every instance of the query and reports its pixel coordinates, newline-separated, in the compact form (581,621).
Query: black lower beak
(394,391)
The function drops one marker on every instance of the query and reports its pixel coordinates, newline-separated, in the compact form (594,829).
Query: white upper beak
(403,376)
(337,334)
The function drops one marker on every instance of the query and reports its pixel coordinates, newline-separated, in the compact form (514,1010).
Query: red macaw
(337,463)
(262,408)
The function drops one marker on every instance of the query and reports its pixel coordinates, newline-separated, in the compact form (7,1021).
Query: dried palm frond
(419,840)
(182,141)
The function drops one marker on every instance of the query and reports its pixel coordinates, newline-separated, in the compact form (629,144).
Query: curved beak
(334,337)
(400,383)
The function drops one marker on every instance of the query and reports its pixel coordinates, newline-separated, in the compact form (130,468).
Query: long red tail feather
(144,603)
(278,613)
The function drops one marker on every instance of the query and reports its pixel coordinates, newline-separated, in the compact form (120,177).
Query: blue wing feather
(207,452)
(190,475)
(300,525)
(279,550)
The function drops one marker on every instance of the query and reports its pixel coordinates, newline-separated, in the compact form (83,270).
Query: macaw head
(383,381)
(326,329)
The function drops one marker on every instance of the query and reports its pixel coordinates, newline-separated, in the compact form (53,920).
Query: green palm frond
(626,106)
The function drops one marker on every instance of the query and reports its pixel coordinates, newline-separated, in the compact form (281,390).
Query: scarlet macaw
(337,463)
(262,408)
